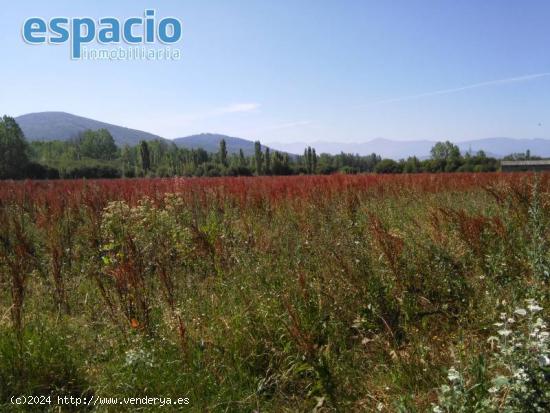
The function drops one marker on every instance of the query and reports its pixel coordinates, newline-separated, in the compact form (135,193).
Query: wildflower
(453,374)
(492,340)
(534,307)
(521,375)
(544,361)
(504,332)
(520,311)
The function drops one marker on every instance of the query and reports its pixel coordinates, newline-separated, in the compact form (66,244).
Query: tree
(98,145)
(387,166)
(280,164)
(145,156)
(127,161)
(310,160)
(444,150)
(258,157)
(446,157)
(223,153)
(412,165)
(267,161)
(314,160)
(13,149)
(242,159)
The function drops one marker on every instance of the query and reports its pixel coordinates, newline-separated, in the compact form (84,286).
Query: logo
(136,32)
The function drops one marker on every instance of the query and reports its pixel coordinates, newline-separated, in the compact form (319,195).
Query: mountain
(63,126)
(497,147)
(210,142)
(48,126)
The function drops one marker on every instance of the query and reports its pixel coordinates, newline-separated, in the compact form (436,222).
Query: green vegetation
(94,154)
(162,159)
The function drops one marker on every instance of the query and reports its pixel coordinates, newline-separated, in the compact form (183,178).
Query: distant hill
(497,147)
(210,142)
(48,126)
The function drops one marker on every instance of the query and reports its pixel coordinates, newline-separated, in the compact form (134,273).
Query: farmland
(299,293)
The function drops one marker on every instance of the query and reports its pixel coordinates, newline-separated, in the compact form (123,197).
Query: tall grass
(340,293)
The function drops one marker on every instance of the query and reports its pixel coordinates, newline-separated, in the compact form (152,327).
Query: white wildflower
(544,361)
(534,308)
(453,374)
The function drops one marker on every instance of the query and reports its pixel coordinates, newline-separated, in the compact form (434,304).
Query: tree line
(94,154)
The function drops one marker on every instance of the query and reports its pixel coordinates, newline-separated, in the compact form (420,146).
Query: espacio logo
(79,32)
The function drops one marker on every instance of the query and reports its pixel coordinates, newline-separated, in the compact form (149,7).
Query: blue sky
(302,70)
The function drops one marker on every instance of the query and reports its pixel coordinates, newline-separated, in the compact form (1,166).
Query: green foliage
(145,156)
(223,152)
(97,145)
(258,158)
(95,155)
(13,149)
(387,166)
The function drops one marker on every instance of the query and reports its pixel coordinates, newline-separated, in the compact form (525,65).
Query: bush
(349,170)
(387,166)
(239,171)
(93,172)
(35,170)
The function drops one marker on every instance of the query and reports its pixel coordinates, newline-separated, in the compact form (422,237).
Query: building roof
(526,163)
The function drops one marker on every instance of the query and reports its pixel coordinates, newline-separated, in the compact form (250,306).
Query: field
(278,294)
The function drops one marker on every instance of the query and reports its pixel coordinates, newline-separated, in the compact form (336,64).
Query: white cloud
(176,124)
(467,87)
(237,108)
(292,124)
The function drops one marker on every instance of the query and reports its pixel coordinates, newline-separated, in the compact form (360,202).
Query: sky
(301,70)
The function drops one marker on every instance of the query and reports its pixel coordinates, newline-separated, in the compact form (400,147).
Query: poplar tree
(242,159)
(258,157)
(223,152)
(267,161)
(145,156)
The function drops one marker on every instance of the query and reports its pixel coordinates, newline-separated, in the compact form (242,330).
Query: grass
(341,293)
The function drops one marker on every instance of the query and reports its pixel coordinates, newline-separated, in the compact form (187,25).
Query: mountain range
(47,126)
